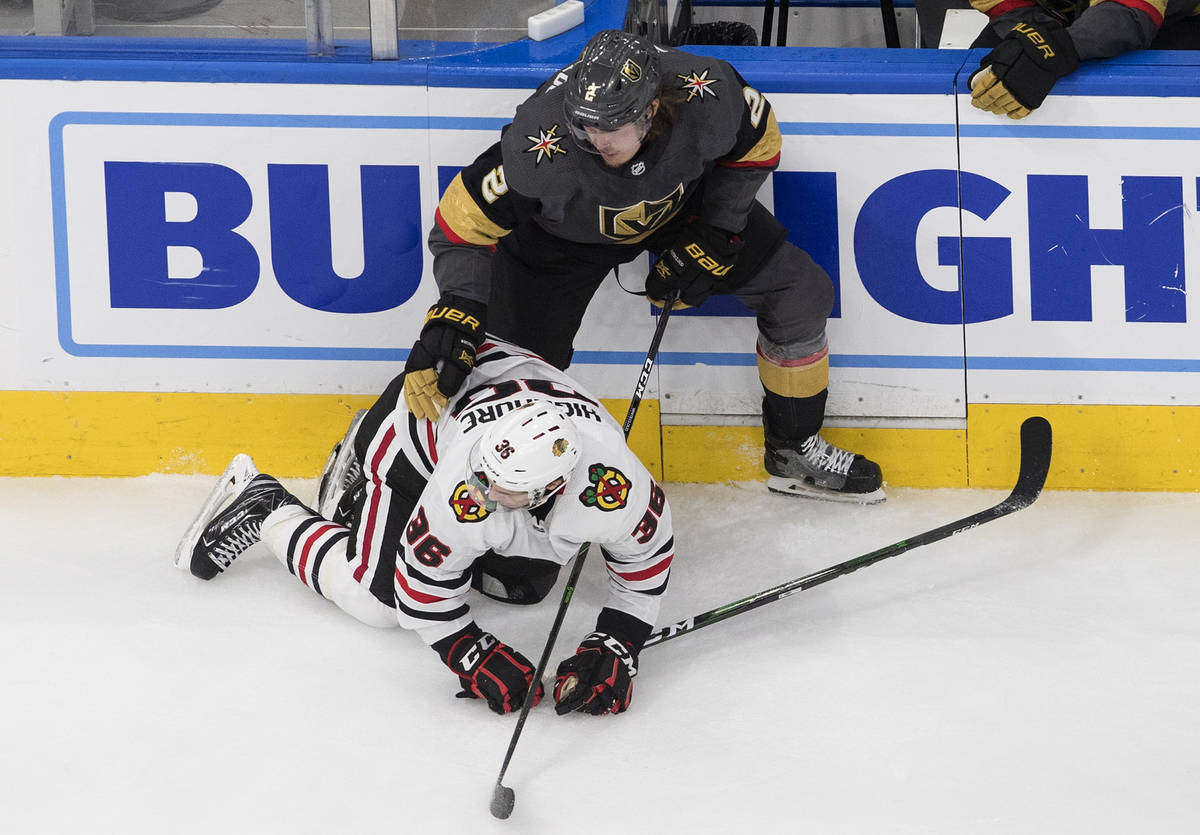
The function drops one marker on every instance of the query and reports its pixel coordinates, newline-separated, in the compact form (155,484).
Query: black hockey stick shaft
(503,797)
(1036,445)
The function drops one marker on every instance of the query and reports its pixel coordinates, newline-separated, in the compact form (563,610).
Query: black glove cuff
(445,645)
(624,627)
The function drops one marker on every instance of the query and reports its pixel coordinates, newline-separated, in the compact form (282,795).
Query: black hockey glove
(488,669)
(598,678)
(1015,77)
(700,257)
(452,333)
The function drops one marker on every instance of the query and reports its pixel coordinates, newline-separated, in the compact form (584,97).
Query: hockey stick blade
(503,799)
(1036,448)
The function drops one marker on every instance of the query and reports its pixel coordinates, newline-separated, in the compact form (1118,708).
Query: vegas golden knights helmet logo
(632,223)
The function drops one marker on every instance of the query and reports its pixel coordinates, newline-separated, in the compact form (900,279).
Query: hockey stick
(1036,445)
(503,797)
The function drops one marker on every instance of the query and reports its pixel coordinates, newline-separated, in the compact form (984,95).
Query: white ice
(1036,675)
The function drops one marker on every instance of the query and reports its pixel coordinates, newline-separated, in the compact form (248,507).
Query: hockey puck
(503,799)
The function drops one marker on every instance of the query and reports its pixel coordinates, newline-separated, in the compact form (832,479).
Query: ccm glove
(598,678)
(1015,77)
(452,333)
(700,257)
(488,669)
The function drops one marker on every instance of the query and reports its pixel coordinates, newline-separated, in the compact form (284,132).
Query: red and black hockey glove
(598,678)
(488,669)
(1015,77)
(452,334)
(701,256)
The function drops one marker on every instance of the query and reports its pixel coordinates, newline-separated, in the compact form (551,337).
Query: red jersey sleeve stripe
(1140,5)
(413,594)
(431,442)
(1005,6)
(445,227)
(645,573)
(754,163)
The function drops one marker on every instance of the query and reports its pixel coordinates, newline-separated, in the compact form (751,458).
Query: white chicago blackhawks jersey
(610,500)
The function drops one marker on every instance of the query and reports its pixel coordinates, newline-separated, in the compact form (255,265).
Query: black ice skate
(342,469)
(818,469)
(231,519)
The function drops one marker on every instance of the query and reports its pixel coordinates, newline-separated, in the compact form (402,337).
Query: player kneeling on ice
(497,493)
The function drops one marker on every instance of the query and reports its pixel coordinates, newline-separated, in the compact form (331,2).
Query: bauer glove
(701,256)
(452,333)
(488,669)
(598,678)
(1015,77)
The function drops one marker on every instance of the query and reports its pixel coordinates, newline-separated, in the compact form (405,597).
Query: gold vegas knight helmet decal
(632,71)
(634,222)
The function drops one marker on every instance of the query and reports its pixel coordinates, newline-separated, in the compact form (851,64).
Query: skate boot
(342,469)
(818,469)
(223,532)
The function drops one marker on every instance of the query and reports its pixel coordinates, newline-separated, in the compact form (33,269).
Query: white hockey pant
(314,550)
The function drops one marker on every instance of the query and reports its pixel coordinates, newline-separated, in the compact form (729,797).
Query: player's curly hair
(664,119)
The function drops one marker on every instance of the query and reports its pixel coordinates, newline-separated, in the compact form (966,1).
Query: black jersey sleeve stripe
(451,584)
(423,614)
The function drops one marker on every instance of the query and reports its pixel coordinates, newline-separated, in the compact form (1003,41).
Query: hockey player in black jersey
(1036,42)
(635,148)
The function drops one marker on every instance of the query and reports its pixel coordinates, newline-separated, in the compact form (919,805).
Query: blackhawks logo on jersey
(632,223)
(698,85)
(465,506)
(609,489)
(545,144)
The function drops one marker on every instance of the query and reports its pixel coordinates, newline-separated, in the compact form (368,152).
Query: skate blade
(240,470)
(329,490)
(795,487)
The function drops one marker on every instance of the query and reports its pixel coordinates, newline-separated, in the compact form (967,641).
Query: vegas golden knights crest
(464,505)
(635,222)
(609,488)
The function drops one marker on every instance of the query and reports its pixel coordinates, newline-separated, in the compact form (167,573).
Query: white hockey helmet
(532,449)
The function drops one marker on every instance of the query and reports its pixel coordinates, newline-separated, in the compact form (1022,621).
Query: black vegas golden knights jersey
(724,138)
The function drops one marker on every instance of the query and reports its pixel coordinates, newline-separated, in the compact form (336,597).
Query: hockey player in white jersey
(501,490)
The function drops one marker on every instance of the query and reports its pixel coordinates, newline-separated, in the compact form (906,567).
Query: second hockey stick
(1036,445)
(503,797)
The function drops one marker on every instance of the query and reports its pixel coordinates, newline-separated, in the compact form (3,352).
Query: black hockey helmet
(612,84)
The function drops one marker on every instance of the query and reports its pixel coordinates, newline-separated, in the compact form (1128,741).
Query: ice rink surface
(1039,674)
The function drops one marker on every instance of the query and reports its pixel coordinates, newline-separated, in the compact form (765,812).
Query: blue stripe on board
(865,129)
(278,120)
(1015,131)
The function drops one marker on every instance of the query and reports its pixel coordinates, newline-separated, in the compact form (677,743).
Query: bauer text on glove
(451,335)
(701,257)
(1015,77)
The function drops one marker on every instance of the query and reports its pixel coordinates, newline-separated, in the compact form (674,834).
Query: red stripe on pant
(307,547)
(385,444)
